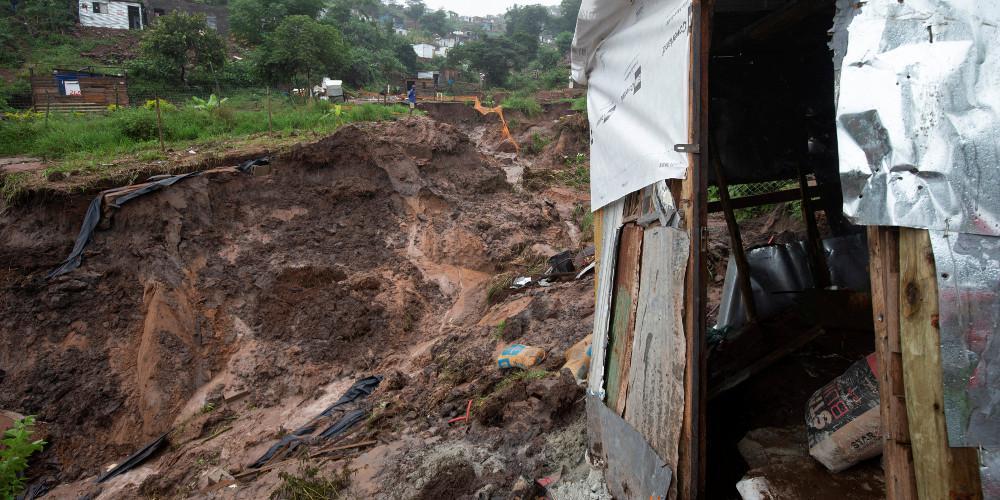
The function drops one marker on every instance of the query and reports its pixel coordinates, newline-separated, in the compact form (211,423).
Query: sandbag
(520,356)
(842,418)
(578,359)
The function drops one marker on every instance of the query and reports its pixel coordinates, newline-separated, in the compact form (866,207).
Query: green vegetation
(579,104)
(179,43)
(523,103)
(498,331)
(585,221)
(131,130)
(538,143)
(307,485)
(577,171)
(15,448)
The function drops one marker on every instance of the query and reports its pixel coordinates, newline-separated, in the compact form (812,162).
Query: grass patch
(307,485)
(579,104)
(12,186)
(585,221)
(538,143)
(498,331)
(132,130)
(525,104)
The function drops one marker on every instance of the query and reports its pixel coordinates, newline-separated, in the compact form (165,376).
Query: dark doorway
(134,18)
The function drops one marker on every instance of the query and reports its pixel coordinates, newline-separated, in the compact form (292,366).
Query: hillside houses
(137,15)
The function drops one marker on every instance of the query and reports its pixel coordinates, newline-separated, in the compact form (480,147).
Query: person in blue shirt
(412,97)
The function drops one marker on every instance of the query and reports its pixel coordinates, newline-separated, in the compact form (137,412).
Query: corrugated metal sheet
(918,123)
(968,274)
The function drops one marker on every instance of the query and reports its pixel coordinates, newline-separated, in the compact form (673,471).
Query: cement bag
(842,418)
(578,359)
(520,356)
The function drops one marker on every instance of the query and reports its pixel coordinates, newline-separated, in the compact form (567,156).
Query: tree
(416,9)
(42,17)
(494,58)
(564,41)
(549,57)
(180,42)
(568,11)
(436,22)
(531,19)
(302,49)
(252,20)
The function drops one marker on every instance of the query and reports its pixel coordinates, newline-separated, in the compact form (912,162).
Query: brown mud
(231,308)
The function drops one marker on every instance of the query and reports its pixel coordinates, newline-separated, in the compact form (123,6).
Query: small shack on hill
(78,90)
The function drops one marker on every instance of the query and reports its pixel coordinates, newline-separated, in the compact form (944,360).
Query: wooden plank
(624,299)
(656,381)
(735,242)
(814,243)
(607,227)
(941,472)
(764,199)
(900,482)
(691,466)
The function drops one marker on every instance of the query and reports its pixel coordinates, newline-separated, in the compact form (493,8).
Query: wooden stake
(883,244)
(942,472)
(814,247)
(159,122)
(735,241)
(270,130)
(48,105)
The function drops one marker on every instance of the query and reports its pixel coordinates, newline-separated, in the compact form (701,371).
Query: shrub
(17,446)
(164,105)
(527,105)
(139,125)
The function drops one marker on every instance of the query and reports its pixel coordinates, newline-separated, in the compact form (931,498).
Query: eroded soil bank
(231,308)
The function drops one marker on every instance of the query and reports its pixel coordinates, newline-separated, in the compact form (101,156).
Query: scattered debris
(578,359)
(843,418)
(135,459)
(521,356)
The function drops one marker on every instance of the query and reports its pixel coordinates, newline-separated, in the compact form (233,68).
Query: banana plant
(213,102)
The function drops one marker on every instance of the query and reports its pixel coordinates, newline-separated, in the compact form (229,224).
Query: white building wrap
(636,60)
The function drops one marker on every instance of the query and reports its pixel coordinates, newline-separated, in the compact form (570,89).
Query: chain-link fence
(742,190)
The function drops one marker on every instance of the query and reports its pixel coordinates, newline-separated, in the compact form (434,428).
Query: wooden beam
(735,241)
(942,472)
(780,20)
(814,244)
(693,191)
(624,300)
(764,199)
(883,246)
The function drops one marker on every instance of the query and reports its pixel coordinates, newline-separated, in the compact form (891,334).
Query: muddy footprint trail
(231,308)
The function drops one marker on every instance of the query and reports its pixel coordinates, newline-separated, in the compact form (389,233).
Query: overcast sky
(482,7)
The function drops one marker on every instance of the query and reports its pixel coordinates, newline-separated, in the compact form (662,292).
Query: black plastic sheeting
(360,390)
(93,216)
(135,459)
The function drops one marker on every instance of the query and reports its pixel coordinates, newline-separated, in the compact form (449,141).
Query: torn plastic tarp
(117,197)
(360,390)
(135,459)
(778,269)
(918,115)
(635,58)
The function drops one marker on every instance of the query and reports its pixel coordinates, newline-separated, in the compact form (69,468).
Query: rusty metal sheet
(918,115)
(968,276)
(655,400)
(632,468)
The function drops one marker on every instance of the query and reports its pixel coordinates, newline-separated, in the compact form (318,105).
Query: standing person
(412,97)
